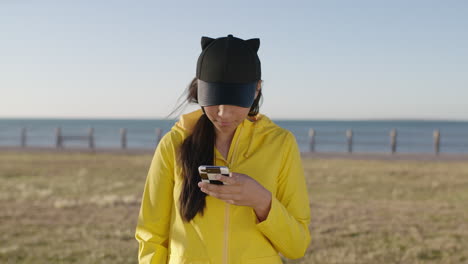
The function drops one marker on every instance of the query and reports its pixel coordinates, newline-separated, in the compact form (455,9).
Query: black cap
(228,70)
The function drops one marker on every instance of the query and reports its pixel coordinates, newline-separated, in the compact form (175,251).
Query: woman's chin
(226,128)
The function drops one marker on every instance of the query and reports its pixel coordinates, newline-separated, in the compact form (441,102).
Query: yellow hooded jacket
(227,233)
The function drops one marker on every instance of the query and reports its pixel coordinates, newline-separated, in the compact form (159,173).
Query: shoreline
(309,155)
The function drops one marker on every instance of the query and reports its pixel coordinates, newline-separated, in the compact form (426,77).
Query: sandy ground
(76,206)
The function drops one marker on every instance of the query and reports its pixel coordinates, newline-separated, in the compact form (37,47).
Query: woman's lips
(222,123)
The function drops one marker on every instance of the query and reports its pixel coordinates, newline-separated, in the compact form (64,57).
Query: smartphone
(208,173)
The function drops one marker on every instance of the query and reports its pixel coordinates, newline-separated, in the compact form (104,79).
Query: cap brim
(210,93)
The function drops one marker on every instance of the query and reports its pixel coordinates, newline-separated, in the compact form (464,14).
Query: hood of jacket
(253,127)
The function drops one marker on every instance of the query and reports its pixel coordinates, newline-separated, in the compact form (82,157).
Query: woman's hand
(240,189)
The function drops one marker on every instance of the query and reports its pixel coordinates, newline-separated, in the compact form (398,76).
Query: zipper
(227,209)
(226,234)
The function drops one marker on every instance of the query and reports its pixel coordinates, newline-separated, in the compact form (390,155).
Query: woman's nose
(224,110)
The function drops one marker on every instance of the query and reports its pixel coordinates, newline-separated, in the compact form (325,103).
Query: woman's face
(226,118)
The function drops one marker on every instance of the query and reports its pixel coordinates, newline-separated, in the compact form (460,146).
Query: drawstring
(247,152)
(234,152)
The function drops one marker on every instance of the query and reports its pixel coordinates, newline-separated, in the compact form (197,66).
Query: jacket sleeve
(287,223)
(152,231)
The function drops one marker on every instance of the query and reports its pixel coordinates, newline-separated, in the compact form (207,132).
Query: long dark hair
(197,149)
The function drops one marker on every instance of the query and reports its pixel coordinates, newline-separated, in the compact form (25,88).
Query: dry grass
(82,208)
(388,211)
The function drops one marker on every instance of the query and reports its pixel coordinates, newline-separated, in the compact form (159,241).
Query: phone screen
(208,172)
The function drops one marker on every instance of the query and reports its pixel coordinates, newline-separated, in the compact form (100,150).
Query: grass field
(82,208)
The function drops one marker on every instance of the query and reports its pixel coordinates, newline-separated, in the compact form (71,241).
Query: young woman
(262,209)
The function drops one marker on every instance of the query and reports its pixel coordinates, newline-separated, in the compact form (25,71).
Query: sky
(343,60)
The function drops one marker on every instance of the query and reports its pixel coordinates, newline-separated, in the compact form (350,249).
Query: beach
(81,206)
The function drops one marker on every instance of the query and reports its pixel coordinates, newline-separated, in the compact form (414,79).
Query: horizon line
(272,118)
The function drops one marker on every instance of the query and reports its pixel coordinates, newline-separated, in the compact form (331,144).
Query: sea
(369,136)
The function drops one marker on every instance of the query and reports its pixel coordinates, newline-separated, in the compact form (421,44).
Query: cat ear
(205,41)
(254,43)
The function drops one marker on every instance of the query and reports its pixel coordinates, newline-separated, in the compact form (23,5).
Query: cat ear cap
(228,70)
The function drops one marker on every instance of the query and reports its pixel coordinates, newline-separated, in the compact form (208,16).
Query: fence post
(91,138)
(123,138)
(393,140)
(158,135)
(349,136)
(311,140)
(436,141)
(58,137)
(23,137)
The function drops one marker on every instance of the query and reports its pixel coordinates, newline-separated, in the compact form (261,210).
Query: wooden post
(312,140)
(436,141)
(91,138)
(123,138)
(349,136)
(393,140)
(23,137)
(58,137)
(158,135)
